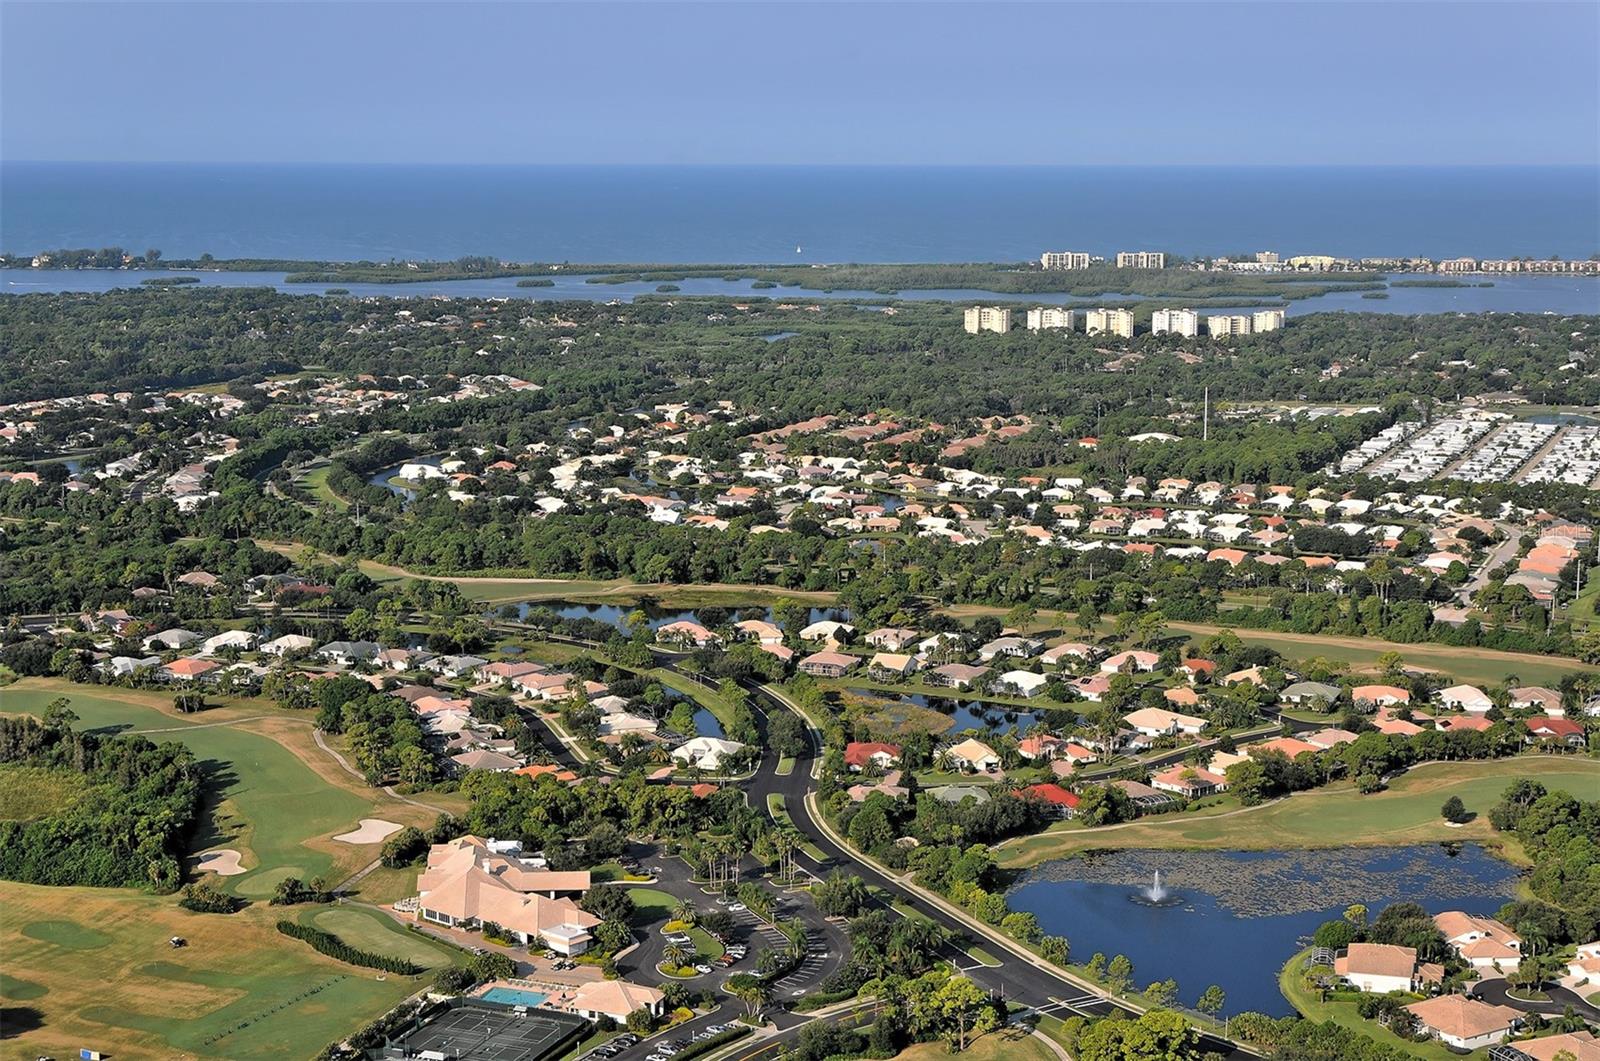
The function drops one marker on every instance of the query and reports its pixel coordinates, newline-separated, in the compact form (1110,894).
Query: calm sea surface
(763,214)
(1510,294)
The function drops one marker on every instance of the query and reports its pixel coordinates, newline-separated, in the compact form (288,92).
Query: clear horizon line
(1590,164)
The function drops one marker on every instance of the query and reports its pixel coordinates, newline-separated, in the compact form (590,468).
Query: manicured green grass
(235,991)
(30,792)
(981,955)
(372,930)
(709,699)
(651,905)
(1291,982)
(272,803)
(785,766)
(778,808)
(316,484)
(1408,812)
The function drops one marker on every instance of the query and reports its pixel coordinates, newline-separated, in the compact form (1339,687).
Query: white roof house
(243,640)
(282,646)
(1466,698)
(706,752)
(1021,682)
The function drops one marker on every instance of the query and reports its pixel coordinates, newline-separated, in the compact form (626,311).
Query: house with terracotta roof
(974,756)
(609,998)
(1536,698)
(1463,1023)
(891,638)
(858,755)
(1562,730)
(759,631)
(1481,942)
(1380,695)
(1288,746)
(1581,1046)
(685,632)
(1585,964)
(1062,802)
(956,675)
(1398,727)
(1067,650)
(468,884)
(1044,746)
(190,670)
(828,664)
(1181,696)
(1380,968)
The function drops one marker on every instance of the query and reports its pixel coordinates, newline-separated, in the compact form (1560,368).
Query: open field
(237,990)
(29,792)
(316,483)
(1407,813)
(1343,1013)
(267,802)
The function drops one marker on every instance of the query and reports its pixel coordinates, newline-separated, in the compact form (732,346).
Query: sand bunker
(372,831)
(224,863)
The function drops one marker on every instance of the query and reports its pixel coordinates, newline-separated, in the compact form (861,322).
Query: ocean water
(786,214)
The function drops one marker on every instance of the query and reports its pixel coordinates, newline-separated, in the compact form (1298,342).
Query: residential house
(1020,683)
(474,895)
(955,675)
(1563,730)
(828,664)
(892,664)
(1578,1046)
(454,666)
(484,759)
(1159,722)
(858,755)
(1536,698)
(1130,661)
(1067,650)
(349,652)
(1063,803)
(974,756)
(707,753)
(1468,698)
(1379,968)
(238,640)
(1189,782)
(1585,964)
(1018,647)
(685,633)
(827,630)
(1309,694)
(170,640)
(1045,746)
(891,638)
(288,644)
(1371,696)
(759,631)
(1463,1023)
(1482,942)
(190,670)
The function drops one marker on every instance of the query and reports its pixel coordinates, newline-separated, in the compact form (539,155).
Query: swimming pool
(511,996)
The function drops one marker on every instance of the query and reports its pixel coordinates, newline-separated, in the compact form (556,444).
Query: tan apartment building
(987,319)
(1115,321)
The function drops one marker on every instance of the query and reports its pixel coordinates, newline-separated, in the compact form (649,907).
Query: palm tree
(677,955)
(683,910)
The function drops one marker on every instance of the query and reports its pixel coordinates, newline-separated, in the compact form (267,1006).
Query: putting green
(370,930)
(66,934)
(16,989)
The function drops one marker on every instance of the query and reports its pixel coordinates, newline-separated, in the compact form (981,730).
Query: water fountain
(1155,894)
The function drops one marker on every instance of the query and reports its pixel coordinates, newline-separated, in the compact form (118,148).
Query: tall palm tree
(677,954)
(683,910)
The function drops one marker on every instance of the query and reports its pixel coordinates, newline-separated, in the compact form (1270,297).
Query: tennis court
(477,1031)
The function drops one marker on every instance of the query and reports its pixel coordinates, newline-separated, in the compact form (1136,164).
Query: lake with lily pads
(1237,916)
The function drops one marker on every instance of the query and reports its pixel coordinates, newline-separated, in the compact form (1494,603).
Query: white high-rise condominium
(1049,317)
(1266,320)
(1141,260)
(987,319)
(1064,260)
(1221,326)
(1115,321)
(1176,321)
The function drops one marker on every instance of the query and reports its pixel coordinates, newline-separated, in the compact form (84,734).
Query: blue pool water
(511,996)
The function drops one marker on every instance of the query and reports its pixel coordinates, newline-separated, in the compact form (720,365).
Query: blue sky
(890,83)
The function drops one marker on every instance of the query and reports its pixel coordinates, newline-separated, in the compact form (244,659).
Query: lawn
(235,991)
(372,930)
(1007,1044)
(30,792)
(1342,1012)
(651,905)
(1407,813)
(267,803)
(316,484)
